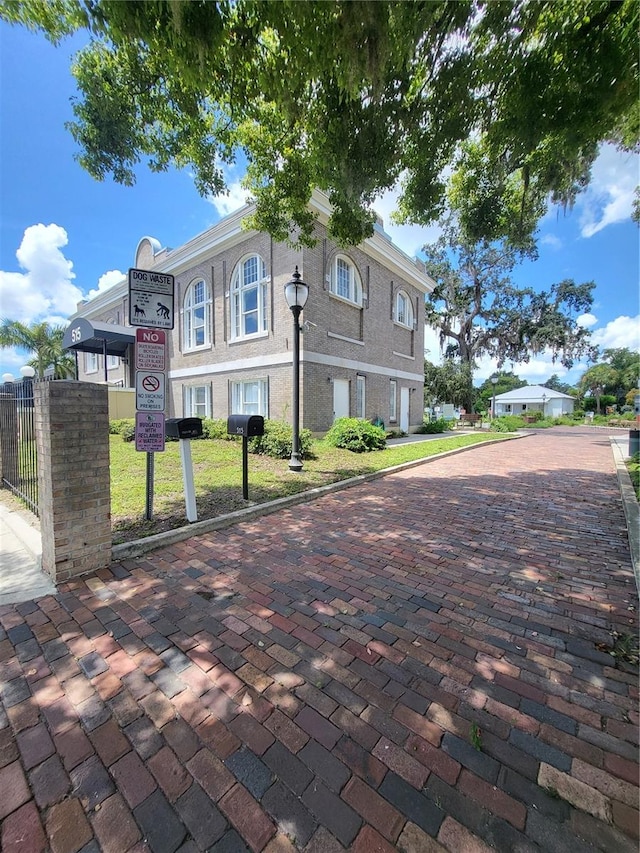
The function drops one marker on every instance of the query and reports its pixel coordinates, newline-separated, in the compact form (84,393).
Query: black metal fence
(18,440)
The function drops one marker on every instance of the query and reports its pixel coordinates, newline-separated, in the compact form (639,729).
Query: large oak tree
(351,96)
(479,310)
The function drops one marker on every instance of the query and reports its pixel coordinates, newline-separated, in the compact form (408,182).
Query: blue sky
(64,235)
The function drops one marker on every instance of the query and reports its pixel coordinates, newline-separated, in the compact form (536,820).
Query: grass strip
(217,471)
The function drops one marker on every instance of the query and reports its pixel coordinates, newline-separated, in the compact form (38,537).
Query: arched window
(249,287)
(197,315)
(345,280)
(404,310)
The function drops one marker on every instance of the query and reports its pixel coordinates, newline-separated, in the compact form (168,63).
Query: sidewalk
(21,578)
(420,664)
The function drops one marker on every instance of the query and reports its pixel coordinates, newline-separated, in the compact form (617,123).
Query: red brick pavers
(416,664)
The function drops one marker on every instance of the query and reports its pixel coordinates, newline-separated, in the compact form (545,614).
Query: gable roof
(531,394)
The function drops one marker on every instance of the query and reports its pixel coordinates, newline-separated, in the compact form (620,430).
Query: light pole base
(295,464)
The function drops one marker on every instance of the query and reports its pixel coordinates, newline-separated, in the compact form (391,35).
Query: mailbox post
(185,429)
(634,434)
(247,426)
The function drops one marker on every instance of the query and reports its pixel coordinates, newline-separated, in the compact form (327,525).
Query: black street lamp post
(296,292)
(494,382)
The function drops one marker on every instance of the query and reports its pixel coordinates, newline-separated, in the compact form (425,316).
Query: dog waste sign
(151,299)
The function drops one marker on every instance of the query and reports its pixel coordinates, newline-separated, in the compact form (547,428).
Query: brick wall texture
(72,435)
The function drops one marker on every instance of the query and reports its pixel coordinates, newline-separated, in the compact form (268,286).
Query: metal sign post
(150,362)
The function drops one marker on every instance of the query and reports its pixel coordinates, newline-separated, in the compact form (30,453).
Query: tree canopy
(43,342)
(595,380)
(556,384)
(479,310)
(350,96)
(616,375)
(450,382)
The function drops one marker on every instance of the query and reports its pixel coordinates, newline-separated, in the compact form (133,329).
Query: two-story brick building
(361,350)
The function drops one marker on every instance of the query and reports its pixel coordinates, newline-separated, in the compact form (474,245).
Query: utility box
(245,425)
(183,427)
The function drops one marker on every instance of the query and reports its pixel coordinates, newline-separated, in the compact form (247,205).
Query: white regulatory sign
(150,391)
(151,299)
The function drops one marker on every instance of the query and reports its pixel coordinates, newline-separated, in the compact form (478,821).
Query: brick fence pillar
(72,435)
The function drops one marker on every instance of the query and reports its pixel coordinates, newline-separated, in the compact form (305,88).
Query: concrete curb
(629,502)
(139,547)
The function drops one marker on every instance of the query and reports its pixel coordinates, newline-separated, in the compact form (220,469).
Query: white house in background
(534,398)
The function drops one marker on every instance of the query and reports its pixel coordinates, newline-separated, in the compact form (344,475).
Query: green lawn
(217,469)
(633,467)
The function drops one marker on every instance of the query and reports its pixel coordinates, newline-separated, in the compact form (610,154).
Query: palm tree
(596,379)
(41,340)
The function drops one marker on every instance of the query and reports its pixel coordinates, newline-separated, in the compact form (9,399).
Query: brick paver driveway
(414,664)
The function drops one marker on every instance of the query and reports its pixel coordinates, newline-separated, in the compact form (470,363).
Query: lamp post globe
(296,293)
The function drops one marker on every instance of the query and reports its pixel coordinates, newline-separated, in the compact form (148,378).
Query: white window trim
(188,392)
(355,283)
(187,311)
(235,291)
(91,362)
(409,324)
(361,396)
(237,397)
(393,400)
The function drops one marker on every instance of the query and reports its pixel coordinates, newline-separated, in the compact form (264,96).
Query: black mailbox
(245,425)
(183,427)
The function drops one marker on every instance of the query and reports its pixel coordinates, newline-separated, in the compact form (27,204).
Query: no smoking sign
(150,391)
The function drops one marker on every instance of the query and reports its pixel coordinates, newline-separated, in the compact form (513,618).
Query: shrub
(357,435)
(429,427)
(116,426)
(394,432)
(277,441)
(216,428)
(507,423)
(126,427)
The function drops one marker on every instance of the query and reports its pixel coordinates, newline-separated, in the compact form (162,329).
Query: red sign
(151,349)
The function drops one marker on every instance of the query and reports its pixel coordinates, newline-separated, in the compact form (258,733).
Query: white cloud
(45,288)
(609,197)
(618,334)
(585,321)
(235,198)
(106,281)
(409,238)
(432,350)
(44,292)
(551,240)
